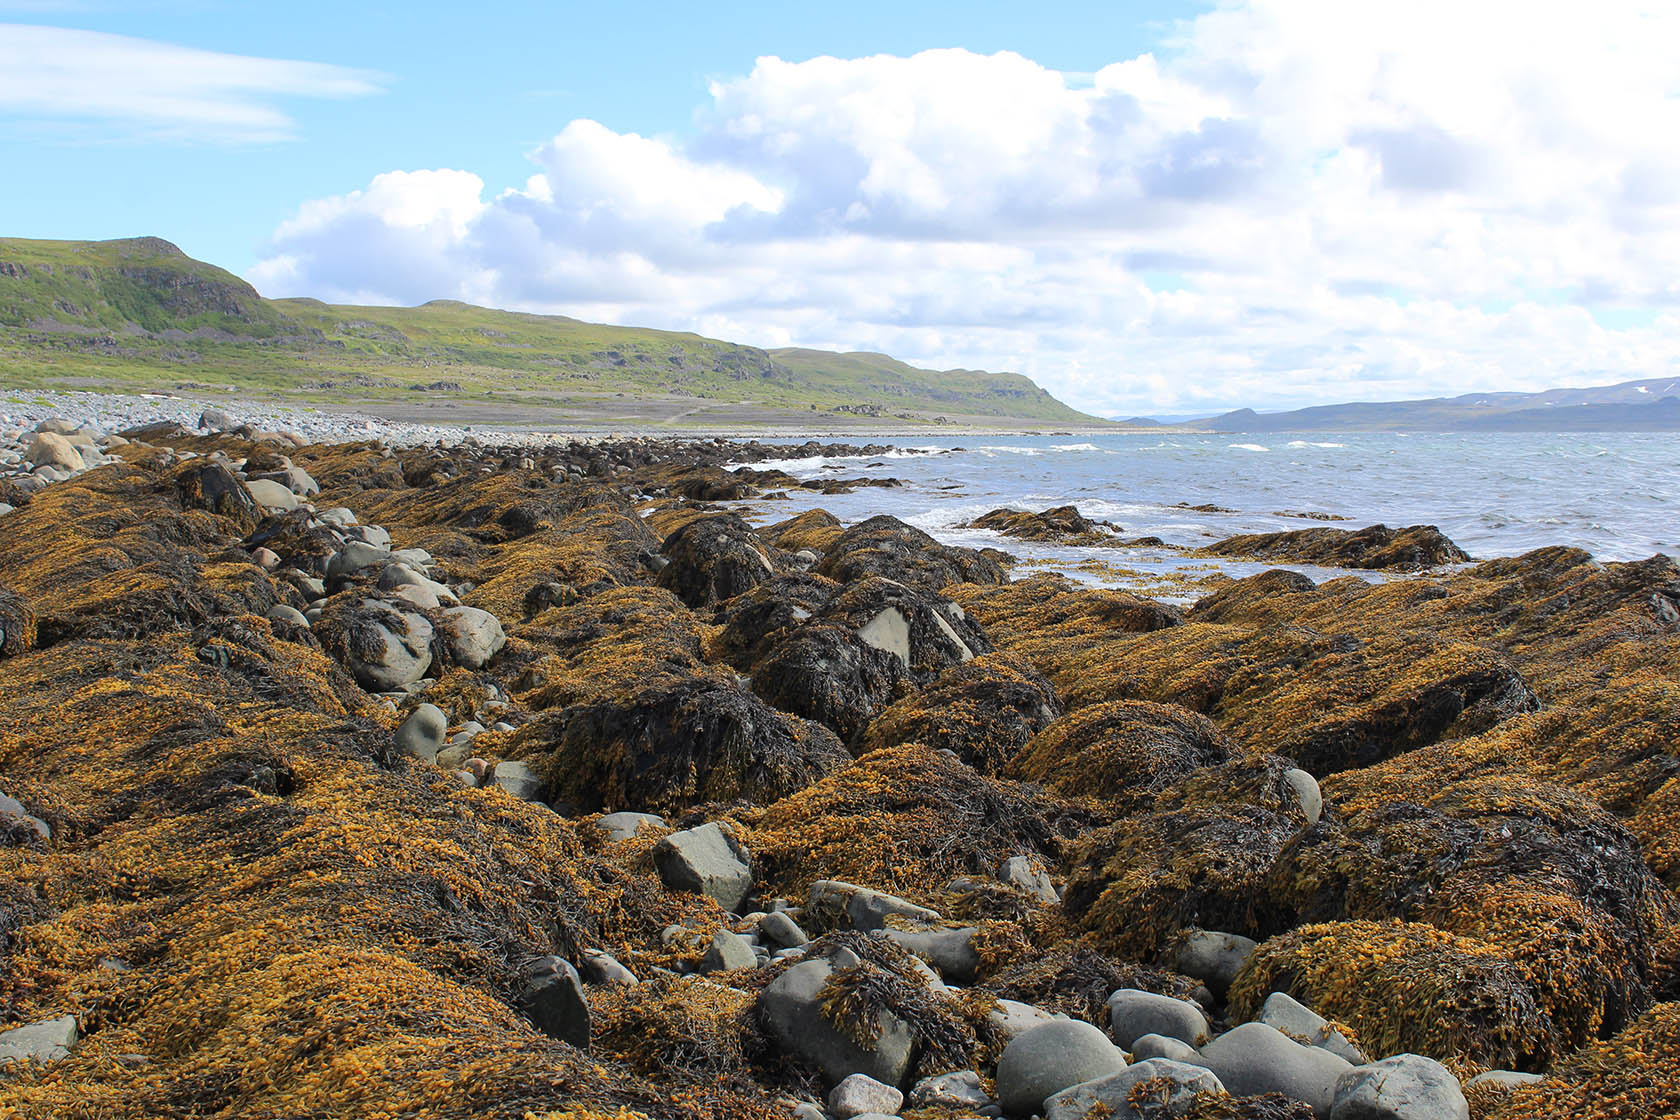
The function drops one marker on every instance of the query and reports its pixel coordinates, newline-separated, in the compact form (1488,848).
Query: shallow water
(1617,495)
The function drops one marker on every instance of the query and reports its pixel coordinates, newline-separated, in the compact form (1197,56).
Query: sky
(1150,208)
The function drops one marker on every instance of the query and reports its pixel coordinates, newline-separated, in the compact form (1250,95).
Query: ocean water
(1617,495)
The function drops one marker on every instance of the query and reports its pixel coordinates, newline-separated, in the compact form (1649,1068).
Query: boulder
(927,634)
(950,951)
(213,420)
(1043,1061)
(44,1041)
(859,1094)
(791,1011)
(1254,1058)
(985,710)
(782,930)
(959,1090)
(713,558)
(18,825)
(707,861)
(1160,1046)
(295,479)
(50,449)
(624,825)
(599,967)
(384,646)
(271,495)
(474,636)
(1376,546)
(353,557)
(422,733)
(1029,875)
(1012,1018)
(1172,1091)
(1307,793)
(1401,1087)
(756,620)
(838,905)
(726,952)
(832,675)
(212,486)
(552,998)
(1212,957)
(518,780)
(1303,1024)
(886,546)
(1133,1013)
(1123,751)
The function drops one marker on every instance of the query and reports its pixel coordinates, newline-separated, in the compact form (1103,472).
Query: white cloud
(159,89)
(1291,202)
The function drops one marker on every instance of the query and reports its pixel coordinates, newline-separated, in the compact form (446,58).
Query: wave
(1075,447)
(1309,443)
(1247,447)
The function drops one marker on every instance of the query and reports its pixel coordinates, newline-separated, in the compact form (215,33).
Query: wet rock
(1254,1058)
(791,1011)
(1048,1059)
(1402,1087)
(1377,546)
(1212,957)
(422,733)
(707,861)
(474,636)
(552,998)
(712,559)
(1303,1024)
(1133,1013)
(886,546)
(859,1094)
(1172,1091)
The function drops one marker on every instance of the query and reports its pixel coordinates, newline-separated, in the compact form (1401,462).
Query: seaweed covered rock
(1376,546)
(1631,1074)
(1062,525)
(830,674)
(212,486)
(1121,753)
(886,546)
(815,530)
(984,710)
(754,621)
(386,646)
(904,819)
(18,627)
(792,1010)
(713,558)
(674,744)
(926,633)
(1077,980)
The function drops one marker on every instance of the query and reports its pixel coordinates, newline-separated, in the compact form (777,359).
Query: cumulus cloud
(156,88)
(1289,202)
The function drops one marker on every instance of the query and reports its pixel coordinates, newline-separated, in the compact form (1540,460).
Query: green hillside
(139,314)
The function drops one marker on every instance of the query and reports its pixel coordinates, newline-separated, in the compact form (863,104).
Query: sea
(1616,495)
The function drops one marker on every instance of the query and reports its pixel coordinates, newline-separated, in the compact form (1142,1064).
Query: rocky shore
(528,779)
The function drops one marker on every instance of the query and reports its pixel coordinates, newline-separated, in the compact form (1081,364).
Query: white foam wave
(1310,443)
(1247,447)
(1075,447)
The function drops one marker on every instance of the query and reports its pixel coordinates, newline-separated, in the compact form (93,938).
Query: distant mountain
(139,314)
(1633,406)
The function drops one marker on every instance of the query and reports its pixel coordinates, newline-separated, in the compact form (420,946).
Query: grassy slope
(138,314)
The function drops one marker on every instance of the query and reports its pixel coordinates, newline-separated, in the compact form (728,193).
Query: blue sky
(1170,207)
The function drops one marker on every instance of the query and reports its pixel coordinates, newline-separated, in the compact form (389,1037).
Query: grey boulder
(859,1094)
(352,558)
(950,951)
(1172,1092)
(17,822)
(390,648)
(1401,1087)
(1214,958)
(1303,1024)
(727,951)
(1027,874)
(1049,1058)
(519,780)
(1012,1018)
(792,1014)
(552,998)
(270,494)
(783,930)
(950,1090)
(45,1041)
(706,861)
(1133,1013)
(622,826)
(1255,1058)
(421,734)
(835,904)
(474,636)
(1160,1046)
